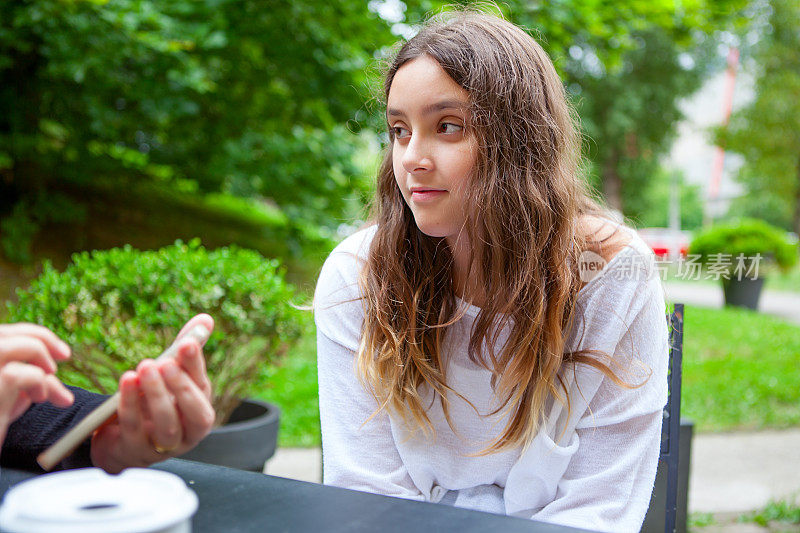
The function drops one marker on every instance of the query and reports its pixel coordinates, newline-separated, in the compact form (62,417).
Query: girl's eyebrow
(431,108)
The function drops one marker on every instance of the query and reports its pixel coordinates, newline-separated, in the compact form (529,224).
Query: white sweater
(598,474)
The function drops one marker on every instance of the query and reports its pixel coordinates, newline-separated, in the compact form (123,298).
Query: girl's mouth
(425,194)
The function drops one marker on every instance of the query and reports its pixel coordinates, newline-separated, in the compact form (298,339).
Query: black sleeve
(42,425)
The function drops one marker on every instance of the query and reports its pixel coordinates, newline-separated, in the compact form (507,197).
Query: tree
(193,97)
(630,116)
(654,209)
(767,132)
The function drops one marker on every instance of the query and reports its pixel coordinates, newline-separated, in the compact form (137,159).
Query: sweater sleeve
(609,480)
(42,425)
(357,453)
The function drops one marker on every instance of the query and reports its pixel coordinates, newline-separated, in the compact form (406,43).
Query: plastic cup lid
(88,500)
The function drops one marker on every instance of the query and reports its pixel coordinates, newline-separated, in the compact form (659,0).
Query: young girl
(467,354)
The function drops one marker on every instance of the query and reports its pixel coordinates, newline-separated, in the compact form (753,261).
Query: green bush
(119,306)
(747,237)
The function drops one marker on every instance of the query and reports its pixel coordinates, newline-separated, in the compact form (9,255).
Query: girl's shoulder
(618,254)
(603,236)
(338,306)
(355,245)
(344,264)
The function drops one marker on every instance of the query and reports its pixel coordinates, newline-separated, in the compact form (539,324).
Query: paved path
(783,304)
(730,472)
(737,472)
(304,464)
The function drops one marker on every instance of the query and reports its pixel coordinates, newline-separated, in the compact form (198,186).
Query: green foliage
(230,97)
(254,100)
(631,114)
(608,29)
(747,237)
(650,208)
(740,370)
(767,132)
(218,218)
(119,306)
(761,201)
(150,215)
(28,216)
(785,281)
(785,511)
(16,234)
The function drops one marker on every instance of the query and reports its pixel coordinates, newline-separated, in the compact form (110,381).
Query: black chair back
(670,430)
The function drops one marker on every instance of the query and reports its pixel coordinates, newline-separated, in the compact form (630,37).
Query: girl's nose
(417,157)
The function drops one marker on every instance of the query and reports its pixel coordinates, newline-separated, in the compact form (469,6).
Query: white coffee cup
(88,500)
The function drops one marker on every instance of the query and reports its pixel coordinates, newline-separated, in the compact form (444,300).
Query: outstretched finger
(202,319)
(196,413)
(19,378)
(57,393)
(26,349)
(190,359)
(166,428)
(22,384)
(58,349)
(130,410)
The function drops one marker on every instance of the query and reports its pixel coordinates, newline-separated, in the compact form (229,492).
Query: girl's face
(432,153)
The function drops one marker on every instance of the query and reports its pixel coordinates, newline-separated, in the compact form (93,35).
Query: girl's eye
(400,132)
(450,128)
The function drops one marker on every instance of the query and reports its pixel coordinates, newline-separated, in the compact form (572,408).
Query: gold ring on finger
(161,449)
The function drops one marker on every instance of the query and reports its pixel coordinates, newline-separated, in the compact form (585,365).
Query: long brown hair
(525,204)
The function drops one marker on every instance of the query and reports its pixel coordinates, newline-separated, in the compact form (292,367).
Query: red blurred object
(662,240)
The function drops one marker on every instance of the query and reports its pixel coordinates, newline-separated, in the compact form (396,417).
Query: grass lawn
(294,389)
(741,371)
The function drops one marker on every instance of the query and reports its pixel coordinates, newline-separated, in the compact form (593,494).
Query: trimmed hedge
(118,306)
(747,237)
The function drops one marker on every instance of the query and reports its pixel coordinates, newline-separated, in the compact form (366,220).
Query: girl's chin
(433,230)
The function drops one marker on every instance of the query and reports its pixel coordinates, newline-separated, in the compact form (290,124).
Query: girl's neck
(467,283)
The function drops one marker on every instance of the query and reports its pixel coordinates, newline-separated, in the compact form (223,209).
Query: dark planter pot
(245,442)
(743,292)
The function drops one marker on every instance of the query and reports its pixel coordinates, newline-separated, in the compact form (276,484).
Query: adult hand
(28,355)
(164,411)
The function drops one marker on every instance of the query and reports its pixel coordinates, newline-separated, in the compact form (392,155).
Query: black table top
(237,501)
